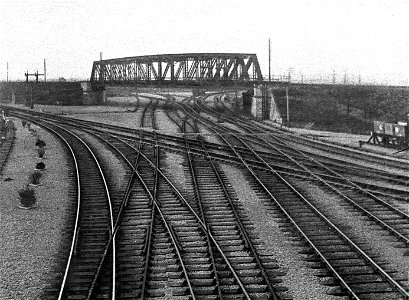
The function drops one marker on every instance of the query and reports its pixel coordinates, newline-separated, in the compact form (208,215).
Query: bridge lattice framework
(178,69)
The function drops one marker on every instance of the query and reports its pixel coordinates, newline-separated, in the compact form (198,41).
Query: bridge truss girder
(177,68)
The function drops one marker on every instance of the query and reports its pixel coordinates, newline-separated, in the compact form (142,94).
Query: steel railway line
(82,282)
(374,181)
(214,198)
(189,234)
(320,165)
(288,141)
(164,141)
(6,146)
(290,144)
(313,145)
(335,172)
(370,204)
(148,251)
(222,152)
(369,178)
(398,192)
(201,249)
(358,271)
(93,220)
(288,189)
(148,118)
(360,255)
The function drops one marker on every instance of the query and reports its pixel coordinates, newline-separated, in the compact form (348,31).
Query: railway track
(359,274)
(147,248)
(204,252)
(360,177)
(215,200)
(376,180)
(311,145)
(6,145)
(172,222)
(275,141)
(148,117)
(286,206)
(330,155)
(396,219)
(360,198)
(367,176)
(173,225)
(347,262)
(92,222)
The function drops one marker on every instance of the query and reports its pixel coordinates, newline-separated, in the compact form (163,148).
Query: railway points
(186,228)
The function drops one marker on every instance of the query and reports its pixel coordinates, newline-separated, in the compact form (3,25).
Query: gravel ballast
(299,279)
(30,238)
(164,124)
(360,228)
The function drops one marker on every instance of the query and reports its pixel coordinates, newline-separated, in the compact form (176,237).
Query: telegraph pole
(346,77)
(269,59)
(7,71)
(45,71)
(288,106)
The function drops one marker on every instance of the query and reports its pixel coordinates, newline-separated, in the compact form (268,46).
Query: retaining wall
(60,93)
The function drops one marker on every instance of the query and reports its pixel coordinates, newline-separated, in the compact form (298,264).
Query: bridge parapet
(190,68)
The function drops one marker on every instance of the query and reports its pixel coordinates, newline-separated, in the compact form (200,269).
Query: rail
(364,255)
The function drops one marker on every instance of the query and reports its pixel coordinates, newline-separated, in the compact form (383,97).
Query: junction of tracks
(214,205)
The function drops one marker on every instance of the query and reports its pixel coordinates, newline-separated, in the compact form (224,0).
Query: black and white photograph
(204,150)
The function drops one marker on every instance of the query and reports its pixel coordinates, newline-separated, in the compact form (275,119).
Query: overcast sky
(313,38)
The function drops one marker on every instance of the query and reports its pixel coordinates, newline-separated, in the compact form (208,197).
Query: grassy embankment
(343,108)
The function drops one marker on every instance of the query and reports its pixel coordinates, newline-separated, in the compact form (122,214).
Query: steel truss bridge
(189,68)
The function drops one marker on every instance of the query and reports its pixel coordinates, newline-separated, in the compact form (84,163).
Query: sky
(311,39)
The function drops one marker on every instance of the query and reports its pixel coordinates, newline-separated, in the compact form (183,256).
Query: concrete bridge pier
(263,105)
(93,95)
(257,104)
(238,102)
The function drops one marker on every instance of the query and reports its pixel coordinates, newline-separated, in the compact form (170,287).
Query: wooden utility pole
(269,59)
(346,77)
(7,71)
(288,106)
(45,71)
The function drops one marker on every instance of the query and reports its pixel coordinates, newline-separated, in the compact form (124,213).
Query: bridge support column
(239,103)
(257,103)
(263,106)
(274,113)
(93,95)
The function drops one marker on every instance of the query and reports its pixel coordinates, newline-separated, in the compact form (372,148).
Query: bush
(35,177)
(40,166)
(40,143)
(27,197)
(41,152)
